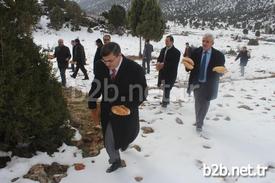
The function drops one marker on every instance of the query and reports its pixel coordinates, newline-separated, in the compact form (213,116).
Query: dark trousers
(82,68)
(144,63)
(160,78)
(242,70)
(62,71)
(167,87)
(72,66)
(201,105)
(109,142)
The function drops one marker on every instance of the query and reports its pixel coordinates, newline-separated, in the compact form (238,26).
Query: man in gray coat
(148,49)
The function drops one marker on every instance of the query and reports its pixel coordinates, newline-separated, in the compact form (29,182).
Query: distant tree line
(66,12)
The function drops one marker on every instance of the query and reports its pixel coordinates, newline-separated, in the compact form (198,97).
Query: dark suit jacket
(73,53)
(79,54)
(148,49)
(129,75)
(63,55)
(244,56)
(212,83)
(170,70)
(98,56)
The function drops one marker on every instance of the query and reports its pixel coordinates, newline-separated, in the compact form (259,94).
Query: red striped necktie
(113,74)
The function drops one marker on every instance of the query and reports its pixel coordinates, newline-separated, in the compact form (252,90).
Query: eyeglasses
(107,61)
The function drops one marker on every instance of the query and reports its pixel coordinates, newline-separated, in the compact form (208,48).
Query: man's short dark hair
(171,38)
(77,41)
(109,48)
(98,41)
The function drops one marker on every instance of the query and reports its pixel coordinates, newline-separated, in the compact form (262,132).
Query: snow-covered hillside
(246,12)
(239,129)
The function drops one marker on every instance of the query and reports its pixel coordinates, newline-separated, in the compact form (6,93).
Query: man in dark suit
(97,57)
(187,51)
(169,58)
(203,80)
(119,81)
(79,58)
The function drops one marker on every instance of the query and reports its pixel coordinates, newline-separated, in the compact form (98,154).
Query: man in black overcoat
(80,59)
(119,81)
(97,57)
(169,57)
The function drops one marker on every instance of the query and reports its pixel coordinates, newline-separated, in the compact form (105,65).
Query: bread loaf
(220,69)
(188,60)
(120,110)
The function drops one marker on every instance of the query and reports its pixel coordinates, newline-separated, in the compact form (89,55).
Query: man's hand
(159,66)
(188,63)
(50,56)
(220,69)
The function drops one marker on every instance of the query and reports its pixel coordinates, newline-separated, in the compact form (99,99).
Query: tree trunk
(140,47)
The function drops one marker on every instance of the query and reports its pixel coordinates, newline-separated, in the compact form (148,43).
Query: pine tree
(57,18)
(152,24)
(134,18)
(146,20)
(74,14)
(33,111)
(54,3)
(117,16)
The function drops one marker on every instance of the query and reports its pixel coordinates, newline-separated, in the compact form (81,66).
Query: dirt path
(91,141)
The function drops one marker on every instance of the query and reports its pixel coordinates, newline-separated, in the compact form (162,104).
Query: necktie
(113,74)
(202,67)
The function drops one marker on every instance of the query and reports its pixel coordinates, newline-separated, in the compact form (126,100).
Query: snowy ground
(239,129)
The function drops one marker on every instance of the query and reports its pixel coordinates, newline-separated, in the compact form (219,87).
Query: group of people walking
(63,55)
(121,84)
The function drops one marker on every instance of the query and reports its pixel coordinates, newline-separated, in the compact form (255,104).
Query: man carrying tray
(121,83)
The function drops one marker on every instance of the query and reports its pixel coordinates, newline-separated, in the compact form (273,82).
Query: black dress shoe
(85,79)
(114,166)
(73,76)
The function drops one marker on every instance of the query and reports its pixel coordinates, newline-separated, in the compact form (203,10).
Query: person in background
(147,51)
(106,38)
(244,56)
(73,50)
(62,55)
(80,60)
(187,51)
(98,56)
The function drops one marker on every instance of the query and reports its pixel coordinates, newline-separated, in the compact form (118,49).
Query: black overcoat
(130,84)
